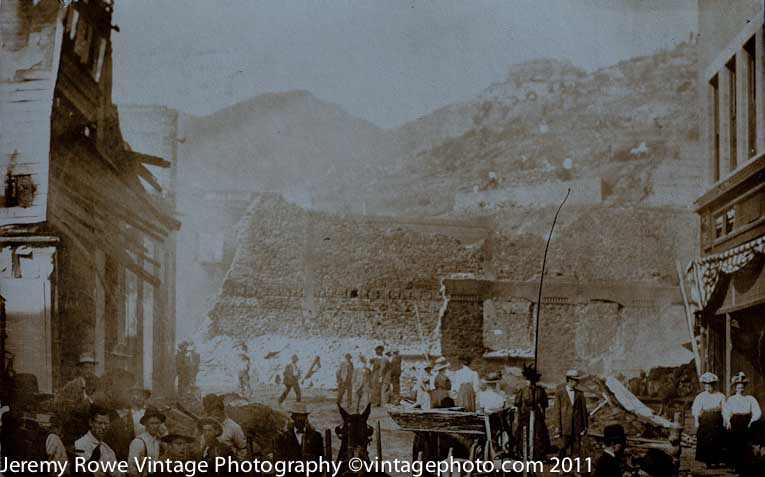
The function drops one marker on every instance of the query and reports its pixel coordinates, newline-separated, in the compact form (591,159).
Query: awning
(704,273)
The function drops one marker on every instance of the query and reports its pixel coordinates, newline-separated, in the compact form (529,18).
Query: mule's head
(355,434)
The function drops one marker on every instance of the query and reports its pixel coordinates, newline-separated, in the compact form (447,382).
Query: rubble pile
(612,402)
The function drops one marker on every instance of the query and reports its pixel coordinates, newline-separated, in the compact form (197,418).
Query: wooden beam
(150,160)
(759,75)
(728,354)
(689,318)
(146,175)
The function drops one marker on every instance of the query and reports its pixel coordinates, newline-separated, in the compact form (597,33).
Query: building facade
(728,279)
(83,243)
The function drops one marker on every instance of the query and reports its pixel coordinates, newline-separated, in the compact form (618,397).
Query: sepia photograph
(427,238)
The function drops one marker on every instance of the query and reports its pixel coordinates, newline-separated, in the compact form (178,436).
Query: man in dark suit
(291,380)
(609,463)
(300,442)
(571,415)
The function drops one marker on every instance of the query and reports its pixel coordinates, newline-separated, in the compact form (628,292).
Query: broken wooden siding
(31,46)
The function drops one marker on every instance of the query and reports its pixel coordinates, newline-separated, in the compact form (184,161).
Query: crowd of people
(107,419)
(100,419)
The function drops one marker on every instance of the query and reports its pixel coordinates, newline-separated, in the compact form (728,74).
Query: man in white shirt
(91,446)
(233,435)
(489,398)
(146,444)
(465,385)
(138,397)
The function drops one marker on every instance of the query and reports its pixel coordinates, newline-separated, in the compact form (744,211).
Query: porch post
(728,353)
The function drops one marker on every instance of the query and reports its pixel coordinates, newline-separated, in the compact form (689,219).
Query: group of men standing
(376,380)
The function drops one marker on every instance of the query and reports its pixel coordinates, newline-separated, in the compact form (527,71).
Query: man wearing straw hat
(79,390)
(571,415)
(300,442)
(488,398)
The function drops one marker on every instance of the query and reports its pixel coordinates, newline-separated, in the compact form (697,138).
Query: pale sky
(387,61)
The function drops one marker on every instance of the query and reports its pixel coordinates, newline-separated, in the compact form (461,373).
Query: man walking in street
(345,381)
(291,380)
(571,415)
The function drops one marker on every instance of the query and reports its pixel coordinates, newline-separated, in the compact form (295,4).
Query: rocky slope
(633,124)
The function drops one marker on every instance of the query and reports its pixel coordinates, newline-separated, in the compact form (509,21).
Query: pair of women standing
(713,414)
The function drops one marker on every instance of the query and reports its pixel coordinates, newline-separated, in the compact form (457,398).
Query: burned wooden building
(85,242)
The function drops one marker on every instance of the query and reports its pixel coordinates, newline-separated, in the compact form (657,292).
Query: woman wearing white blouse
(740,412)
(707,413)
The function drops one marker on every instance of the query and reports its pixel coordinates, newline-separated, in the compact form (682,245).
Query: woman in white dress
(707,413)
(740,412)
(424,388)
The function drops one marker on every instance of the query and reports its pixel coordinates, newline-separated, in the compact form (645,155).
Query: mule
(355,436)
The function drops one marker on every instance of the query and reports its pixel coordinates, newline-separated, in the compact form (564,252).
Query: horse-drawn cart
(444,433)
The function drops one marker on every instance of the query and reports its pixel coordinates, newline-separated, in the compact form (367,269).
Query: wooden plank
(149,177)
(689,319)
(150,160)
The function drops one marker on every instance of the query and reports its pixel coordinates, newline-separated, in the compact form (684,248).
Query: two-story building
(83,242)
(728,279)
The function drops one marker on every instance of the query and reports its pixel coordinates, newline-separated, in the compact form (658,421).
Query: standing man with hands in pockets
(571,415)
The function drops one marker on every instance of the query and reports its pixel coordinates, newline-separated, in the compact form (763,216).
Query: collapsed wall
(318,284)
(342,283)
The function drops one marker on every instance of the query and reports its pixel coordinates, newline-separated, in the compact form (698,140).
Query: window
(719,226)
(99,63)
(83,40)
(730,220)
(715,129)
(751,97)
(71,23)
(130,329)
(731,66)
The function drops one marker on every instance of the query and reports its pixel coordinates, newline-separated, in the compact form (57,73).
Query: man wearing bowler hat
(610,462)
(571,415)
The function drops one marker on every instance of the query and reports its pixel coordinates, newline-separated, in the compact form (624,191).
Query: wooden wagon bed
(439,420)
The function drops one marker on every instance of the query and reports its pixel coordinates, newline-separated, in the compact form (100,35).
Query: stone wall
(298,273)
(462,286)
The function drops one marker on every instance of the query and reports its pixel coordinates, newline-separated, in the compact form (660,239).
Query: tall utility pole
(532,414)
